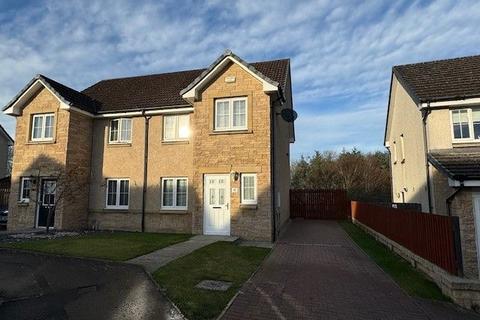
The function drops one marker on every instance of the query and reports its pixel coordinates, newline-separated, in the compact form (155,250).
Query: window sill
(114,210)
(468,143)
(249,206)
(30,142)
(23,204)
(167,142)
(119,144)
(215,133)
(170,211)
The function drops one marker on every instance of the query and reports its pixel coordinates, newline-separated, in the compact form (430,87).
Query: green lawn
(219,261)
(407,277)
(117,246)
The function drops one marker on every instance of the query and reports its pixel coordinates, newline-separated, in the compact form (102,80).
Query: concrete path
(37,286)
(159,258)
(316,272)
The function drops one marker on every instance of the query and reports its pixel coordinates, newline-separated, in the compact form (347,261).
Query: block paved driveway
(36,286)
(316,272)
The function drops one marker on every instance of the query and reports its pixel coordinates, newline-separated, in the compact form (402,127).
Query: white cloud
(342,53)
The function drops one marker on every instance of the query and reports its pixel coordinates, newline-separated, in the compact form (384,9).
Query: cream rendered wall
(4,144)
(408,176)
(439,129)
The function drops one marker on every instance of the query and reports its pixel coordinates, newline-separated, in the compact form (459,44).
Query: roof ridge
(172,72)
(435,61)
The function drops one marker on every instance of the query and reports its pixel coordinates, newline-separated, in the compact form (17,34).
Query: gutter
(425,112)
(145,168)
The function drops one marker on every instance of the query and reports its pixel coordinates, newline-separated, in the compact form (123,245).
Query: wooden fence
(319,204)
(430,236)
(4,193)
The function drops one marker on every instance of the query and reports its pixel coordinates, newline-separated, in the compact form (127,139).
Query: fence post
(457,246)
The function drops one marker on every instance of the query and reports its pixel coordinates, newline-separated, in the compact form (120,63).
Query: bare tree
(67,185)
(365,176)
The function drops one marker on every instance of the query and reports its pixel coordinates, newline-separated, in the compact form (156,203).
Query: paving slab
(156,259)
(315,271)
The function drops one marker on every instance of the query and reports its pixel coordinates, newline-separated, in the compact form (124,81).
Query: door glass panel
(221,196)
(212,196)
(49,193)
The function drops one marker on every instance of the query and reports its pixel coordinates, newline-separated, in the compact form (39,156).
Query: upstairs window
(120,131)
(118,191)
(42,127)
(466,124)
(176,127)
(231,114)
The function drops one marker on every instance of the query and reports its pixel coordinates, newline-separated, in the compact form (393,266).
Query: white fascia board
(466,183)
(193,92)
(448,103)
(150,112)
(14,109)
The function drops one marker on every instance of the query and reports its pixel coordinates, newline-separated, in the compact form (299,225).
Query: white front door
(476,212)
(216,220)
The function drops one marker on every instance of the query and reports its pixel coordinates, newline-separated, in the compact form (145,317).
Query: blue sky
(341,52)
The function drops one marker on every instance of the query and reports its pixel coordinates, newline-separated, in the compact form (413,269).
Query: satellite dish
(289,115)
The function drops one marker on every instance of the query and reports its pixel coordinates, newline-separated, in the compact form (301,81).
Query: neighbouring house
(6,143)
(433,135)
(201,151)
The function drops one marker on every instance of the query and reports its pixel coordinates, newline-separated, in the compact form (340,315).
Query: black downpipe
(451,197)
(425,114)
(272,170)
(145,168)
(456,231)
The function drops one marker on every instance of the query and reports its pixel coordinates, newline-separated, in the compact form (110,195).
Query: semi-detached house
(200,151)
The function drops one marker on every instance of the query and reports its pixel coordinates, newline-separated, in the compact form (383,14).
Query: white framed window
(174,193)
(176,127)
(466,124)
(118,193)
(249,188)
(42,127)
(231,114)
(25,189)
(120,131)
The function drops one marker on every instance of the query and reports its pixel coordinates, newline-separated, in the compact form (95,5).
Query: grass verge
(116,246)
(407,277)
(219,261)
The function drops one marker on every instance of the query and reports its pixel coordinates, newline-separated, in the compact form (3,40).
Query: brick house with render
(433,135)
(201,151)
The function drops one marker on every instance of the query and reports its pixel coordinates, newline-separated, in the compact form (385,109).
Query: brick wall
(67,152)
(247,152)
(462,206)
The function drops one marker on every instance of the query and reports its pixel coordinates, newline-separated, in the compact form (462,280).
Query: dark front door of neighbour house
(47,202)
